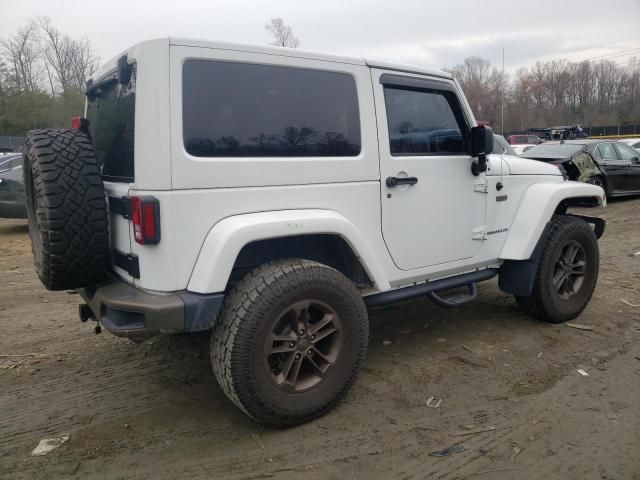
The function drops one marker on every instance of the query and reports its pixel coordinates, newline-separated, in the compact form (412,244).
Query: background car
(632,142)
(524,139)
(12,201)
(502,147)
(612,165)
(520,149)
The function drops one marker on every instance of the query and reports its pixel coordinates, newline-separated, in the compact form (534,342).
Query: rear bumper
(127,311)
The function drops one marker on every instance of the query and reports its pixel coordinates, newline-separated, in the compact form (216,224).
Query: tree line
(43,73)
(557,92)
(42,77)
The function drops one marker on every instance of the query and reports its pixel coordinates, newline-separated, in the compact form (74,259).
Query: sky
(428,32)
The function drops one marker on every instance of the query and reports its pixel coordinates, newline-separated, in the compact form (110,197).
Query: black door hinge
(128,262)
(121,206)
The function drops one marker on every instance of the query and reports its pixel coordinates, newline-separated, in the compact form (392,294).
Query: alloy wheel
(569,270)
(303,345)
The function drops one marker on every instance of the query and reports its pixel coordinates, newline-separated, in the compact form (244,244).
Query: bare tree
(282,34)
(22,54)
(68,62)
(84,62)
(474,76)
(551,93)
(56,53)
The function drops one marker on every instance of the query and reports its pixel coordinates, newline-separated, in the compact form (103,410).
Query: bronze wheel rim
(302,345)
(569,270)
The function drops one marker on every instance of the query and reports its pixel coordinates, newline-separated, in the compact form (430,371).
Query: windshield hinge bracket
(479,233)
(481,186)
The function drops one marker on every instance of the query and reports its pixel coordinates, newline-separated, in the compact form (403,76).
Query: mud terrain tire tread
(541,304)
(234,334)
(66,209)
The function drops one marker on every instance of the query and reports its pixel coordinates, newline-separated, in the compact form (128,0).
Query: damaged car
(606,163)
(12,201)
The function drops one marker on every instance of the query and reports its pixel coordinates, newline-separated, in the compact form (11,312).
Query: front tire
(567,272)
(289,341)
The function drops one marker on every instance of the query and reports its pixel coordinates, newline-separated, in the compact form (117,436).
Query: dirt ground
(511,393)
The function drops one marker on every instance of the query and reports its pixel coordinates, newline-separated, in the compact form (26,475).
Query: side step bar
(466,279)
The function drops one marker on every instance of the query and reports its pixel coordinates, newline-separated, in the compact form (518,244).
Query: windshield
(111,115)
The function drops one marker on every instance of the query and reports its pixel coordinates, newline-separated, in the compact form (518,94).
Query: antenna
(502,103)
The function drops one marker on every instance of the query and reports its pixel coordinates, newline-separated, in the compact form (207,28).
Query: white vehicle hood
(526,166)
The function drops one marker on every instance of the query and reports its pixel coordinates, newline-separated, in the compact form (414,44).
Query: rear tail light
(145,216)
(80,123)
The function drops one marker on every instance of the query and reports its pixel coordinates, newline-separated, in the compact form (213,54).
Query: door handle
(395,181)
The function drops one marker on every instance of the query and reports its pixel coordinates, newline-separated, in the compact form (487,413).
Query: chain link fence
(604,131)
(613,130)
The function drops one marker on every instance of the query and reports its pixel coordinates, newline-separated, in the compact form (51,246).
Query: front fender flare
(227,237)
(536,208)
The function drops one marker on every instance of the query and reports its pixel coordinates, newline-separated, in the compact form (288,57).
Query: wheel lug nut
(297,356)
(309,352)
(292,344)
(313,337)
(301,332)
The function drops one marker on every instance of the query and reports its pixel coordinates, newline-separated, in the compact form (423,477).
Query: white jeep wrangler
(271,195)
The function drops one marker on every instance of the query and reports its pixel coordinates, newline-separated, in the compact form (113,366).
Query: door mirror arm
(479,165)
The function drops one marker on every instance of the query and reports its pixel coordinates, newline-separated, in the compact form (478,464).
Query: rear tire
(280,365)
(567,273)
(600,182)
(66,209)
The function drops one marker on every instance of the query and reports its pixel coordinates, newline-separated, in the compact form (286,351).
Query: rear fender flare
(227,237)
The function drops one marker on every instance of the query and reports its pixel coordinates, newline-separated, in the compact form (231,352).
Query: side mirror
(481,140)
(481,146)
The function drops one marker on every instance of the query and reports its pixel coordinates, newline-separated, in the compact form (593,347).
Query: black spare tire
(66,209)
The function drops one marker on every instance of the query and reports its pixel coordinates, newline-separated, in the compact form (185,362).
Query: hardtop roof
(308,54)
(108,67)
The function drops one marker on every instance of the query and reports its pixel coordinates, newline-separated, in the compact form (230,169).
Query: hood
(526,166)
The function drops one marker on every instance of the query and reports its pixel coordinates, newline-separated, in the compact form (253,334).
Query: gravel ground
(511,393)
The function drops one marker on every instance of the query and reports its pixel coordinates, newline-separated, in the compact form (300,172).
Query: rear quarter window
(234,109)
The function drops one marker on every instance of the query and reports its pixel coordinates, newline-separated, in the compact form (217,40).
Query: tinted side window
(249,110)
(424,122)
(626,153)
(606,151)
